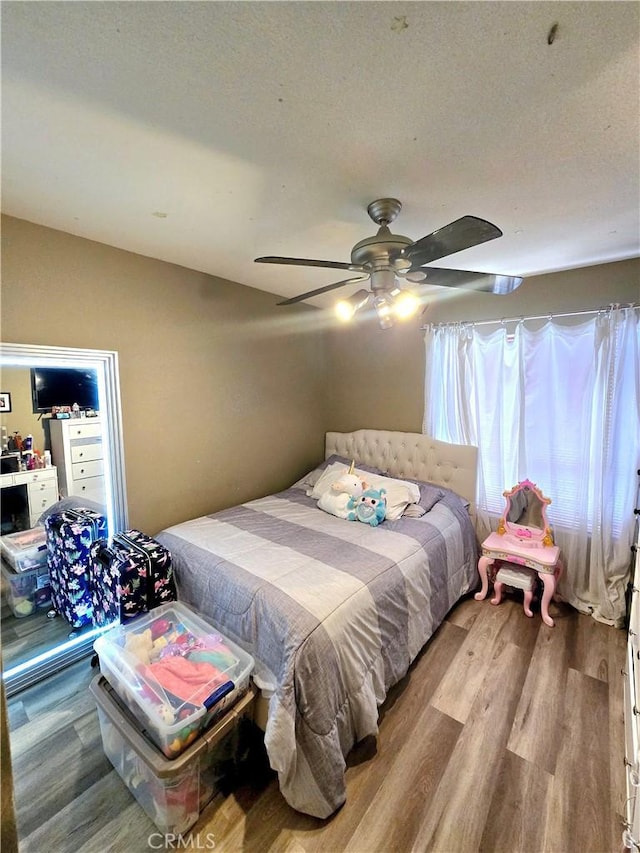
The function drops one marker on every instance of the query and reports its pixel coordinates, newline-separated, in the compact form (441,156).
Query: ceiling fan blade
(324,289)
(462,234)
(307,262)
(484,281)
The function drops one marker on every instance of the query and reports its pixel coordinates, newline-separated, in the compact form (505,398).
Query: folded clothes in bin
(189,680)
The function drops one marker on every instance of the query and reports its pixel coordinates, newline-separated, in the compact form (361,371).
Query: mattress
(333,610)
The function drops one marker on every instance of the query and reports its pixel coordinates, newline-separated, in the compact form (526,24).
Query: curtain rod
(531,317)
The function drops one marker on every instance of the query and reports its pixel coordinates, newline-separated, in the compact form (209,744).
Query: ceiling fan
(390,261)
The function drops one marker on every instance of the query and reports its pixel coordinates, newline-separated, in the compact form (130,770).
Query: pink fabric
(191,681)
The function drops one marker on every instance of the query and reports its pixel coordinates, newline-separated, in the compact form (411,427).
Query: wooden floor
(505,735)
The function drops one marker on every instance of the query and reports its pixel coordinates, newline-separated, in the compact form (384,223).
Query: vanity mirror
(31,651)
(525,515)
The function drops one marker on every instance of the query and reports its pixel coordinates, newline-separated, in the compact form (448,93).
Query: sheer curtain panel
(558,404)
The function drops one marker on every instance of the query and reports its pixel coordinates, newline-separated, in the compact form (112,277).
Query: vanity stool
(524,543)
(524,579)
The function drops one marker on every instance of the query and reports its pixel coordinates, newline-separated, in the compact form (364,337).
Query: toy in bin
(175,672)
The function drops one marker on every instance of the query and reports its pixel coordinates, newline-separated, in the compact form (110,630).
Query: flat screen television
(63,386)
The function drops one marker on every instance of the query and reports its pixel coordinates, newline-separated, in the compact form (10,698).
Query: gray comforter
(336,610)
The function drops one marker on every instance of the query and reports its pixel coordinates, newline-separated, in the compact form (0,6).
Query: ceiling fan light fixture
(405,305)
(384,305)
(346,308)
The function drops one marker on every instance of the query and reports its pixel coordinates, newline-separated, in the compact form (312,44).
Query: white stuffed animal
(336,499)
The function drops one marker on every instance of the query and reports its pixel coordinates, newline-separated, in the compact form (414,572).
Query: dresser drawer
(631,716)
(86,451)
(82,470)
(38,486)
(37,476)
(85,429)
(634,615)
(633,810)
(41,497)
(91,488)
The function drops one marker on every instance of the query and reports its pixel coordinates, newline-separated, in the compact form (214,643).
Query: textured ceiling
(207,134)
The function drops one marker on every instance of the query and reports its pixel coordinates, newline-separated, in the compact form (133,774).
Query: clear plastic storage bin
(175,672)
(27,590)
(172,793)
(26,549)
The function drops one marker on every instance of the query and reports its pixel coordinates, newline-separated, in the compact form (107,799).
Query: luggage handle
(218,694)
(104,556)
(79,516)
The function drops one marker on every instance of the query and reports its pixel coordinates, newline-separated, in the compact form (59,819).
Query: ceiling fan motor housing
(375,252)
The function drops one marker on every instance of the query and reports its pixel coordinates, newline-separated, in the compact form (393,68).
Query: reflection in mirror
(32,645)
(525,514)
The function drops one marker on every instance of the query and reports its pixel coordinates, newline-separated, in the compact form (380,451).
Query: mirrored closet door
(34,645)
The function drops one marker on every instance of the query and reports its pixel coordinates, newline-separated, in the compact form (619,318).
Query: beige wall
(222,395)
(377,377)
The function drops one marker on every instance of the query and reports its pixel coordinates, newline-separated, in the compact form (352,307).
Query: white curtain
(560,405)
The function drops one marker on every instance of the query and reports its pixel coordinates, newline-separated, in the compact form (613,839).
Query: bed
(334,612)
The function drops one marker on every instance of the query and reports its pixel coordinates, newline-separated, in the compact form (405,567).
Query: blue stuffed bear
(370,507)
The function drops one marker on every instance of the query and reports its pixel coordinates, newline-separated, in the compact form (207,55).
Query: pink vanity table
(524,540)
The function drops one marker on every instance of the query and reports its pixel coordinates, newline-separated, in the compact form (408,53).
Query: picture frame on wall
(5,402)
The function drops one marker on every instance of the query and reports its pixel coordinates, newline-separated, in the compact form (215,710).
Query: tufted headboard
(411,454)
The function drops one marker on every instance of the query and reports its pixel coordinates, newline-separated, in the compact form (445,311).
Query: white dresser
(632,705)
(77,452)
(40,485)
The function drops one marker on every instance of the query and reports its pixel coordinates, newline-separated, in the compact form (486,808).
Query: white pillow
(399,493)
(414,511)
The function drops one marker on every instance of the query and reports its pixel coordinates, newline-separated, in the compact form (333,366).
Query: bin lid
(174,664)
(24,540)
